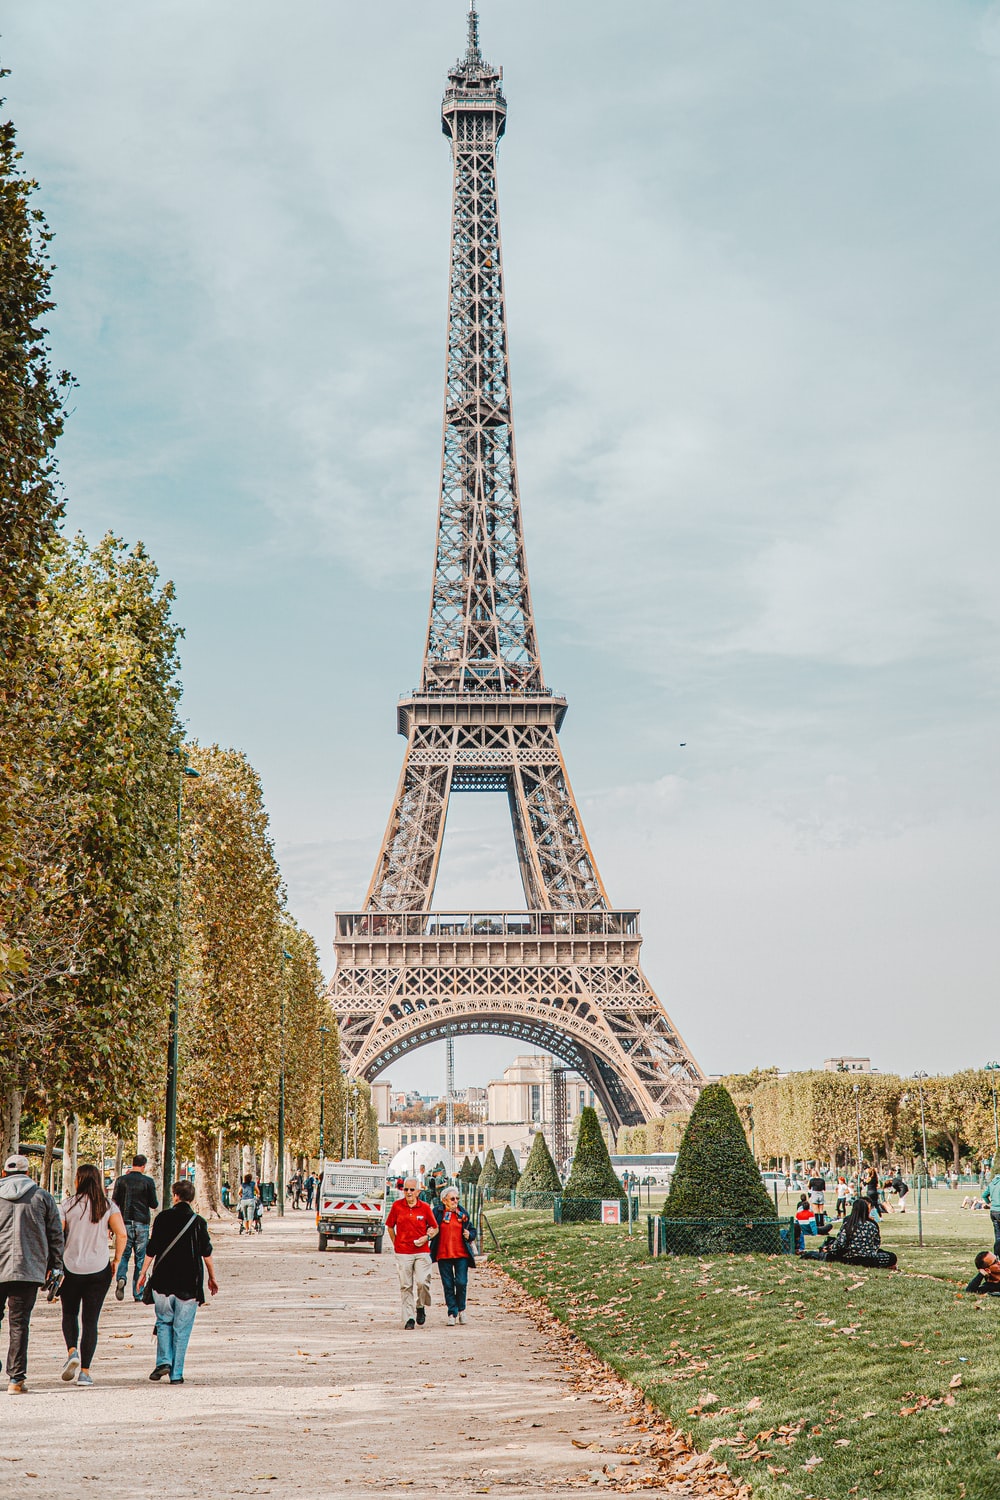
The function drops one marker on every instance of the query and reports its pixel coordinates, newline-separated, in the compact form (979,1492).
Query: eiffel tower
(563,974)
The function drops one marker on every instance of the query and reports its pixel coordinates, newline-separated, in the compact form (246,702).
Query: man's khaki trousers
(414,1273)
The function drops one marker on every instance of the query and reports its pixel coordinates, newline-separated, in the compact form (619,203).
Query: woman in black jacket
(859,1242)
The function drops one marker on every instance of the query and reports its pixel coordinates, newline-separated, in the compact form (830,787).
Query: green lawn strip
(831,1356)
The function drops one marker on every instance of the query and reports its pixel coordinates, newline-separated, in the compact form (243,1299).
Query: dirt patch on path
(301,1382)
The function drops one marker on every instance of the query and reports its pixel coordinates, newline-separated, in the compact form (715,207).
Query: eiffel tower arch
(562,974)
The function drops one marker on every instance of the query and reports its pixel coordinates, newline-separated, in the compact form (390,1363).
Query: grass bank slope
(808,1380)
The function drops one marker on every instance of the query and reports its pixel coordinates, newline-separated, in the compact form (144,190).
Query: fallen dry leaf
(955,1382)
(754,1403)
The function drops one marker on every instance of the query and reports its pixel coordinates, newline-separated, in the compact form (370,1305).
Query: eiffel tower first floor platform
(566,981)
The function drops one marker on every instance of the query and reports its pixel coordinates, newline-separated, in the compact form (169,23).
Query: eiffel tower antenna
(563,973)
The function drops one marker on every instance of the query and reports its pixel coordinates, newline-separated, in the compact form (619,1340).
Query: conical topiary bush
(508,1175)
(592,1175)
(539,1180)
(476,1170)
(716,1177)
(489,1174)
(465,1171)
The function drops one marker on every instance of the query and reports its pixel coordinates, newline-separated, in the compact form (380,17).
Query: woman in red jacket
(452,1249)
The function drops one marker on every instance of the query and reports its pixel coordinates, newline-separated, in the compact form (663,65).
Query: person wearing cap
(31,1247)
(452,1250)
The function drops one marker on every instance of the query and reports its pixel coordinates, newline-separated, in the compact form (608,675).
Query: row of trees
(119,873)
(591,1173)
(816,1115)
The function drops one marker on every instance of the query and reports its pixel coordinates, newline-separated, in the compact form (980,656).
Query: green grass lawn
(807,1379)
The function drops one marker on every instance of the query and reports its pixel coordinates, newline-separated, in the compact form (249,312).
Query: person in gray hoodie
(31,1247)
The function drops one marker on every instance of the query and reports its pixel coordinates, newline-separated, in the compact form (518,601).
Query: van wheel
(377,1244)
(324,1240)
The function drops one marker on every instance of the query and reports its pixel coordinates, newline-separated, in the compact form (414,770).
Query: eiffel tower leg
(407,865)
(548,827)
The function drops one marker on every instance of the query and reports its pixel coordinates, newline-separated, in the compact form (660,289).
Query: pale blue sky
(751,258)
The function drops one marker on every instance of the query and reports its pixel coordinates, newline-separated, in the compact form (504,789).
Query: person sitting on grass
(804,1216)
(987,1277)
(858,1243)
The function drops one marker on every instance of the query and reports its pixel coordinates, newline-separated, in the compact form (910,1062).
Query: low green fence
(720,1236)
(540,1200)
(568,1210)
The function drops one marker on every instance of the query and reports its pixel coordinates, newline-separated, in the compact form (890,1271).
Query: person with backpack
(178,1255)
(135,1195)
(88,1217)
(31,1246)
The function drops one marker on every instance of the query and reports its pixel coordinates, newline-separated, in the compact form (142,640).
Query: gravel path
(301,1382)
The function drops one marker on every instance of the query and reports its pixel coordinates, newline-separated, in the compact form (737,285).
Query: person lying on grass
(987,1277)
(859,1242)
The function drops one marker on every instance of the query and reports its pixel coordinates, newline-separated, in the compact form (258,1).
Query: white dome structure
(409,1159)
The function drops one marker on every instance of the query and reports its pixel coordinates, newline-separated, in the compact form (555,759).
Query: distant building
(509,1112)
(848,1065)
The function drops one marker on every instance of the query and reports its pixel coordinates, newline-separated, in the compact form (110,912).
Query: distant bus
(658,1166)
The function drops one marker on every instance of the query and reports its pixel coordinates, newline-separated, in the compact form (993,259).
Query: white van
(351,1203)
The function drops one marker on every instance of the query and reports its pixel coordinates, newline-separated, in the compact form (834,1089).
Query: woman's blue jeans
(455,1281)
(174,1321)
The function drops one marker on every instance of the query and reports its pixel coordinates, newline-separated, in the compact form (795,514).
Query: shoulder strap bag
(147,1291)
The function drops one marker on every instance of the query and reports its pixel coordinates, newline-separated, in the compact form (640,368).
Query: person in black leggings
(88,1217)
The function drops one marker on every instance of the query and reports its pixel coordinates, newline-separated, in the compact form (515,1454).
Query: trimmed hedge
(592,1175)
(489,1174)
(508,1175)
(539,1180)
(716,1177)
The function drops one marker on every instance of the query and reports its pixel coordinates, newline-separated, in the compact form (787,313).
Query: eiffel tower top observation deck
(563,973)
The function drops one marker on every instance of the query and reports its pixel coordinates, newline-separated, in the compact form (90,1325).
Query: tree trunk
(235,1175)
(206,1175)
(267,1162)
(119,1155)
(51,1131)
(148,1143)
(10,1121)
(71,1137)
(248,1162)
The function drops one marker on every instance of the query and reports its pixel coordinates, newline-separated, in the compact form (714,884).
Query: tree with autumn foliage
(82,1023)
(32,411)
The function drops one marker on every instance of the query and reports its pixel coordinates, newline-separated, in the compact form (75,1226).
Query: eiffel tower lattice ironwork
(564,973)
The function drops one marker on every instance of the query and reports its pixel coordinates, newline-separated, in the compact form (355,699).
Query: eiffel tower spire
(564,973)
(481,634)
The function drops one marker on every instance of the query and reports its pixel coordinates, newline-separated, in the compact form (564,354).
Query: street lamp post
(324,1032)
(923,1127)
(857,1115)
(173,1034)
(753,1144)
(992,1068)
(285,956)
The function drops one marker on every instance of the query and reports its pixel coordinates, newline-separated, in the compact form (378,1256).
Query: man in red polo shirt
(412,1226)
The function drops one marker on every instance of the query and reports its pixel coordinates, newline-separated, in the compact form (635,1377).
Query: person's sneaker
(421,1316)
(159,1372)
(72,1365)
(119,1291)
(409,1324)
(17,1388)
(178,1381)
(83,1378)
(451,1320)
(461,1317)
